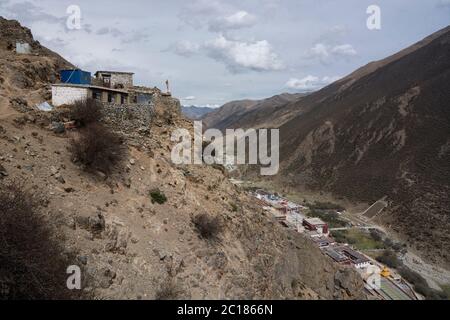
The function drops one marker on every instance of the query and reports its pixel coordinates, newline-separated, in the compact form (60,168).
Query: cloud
(443,4)
(184,48)
(112,31)
(240,56)
(216,16)
(136,36)
(189,98)
(327,53)
(238,20)
(27,12)
(310,82)
(197,13)
(344,50)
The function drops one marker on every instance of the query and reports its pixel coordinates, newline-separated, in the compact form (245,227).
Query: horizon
(236,48)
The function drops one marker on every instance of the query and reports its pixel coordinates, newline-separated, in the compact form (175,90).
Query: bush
(169,290)
(85,112)
(375,234)
(157,196)
(326,206)
(97,148)
(390,259)
(208,227)
(32,261)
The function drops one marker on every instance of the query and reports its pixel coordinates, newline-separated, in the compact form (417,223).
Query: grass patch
(158,197)
(357,238)
(318,205)
(446,291)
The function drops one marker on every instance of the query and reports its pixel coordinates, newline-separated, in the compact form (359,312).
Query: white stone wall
(66,95)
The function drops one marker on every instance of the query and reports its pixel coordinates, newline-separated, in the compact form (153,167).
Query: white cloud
(189,98)
(310,82)
(238,20)
(197,13)
(327,53)
(239,56)
(344,50)
(184,48)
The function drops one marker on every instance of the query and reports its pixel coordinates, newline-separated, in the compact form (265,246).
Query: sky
(213,52)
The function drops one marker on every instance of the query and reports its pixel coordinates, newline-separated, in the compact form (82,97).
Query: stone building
(114,79)
(68,93)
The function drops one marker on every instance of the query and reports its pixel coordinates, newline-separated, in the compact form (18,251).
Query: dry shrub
(169,290)
(85,112)
(208,227)
(33,263)
(98,148)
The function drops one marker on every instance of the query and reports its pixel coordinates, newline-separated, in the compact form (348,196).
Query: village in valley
(380,281)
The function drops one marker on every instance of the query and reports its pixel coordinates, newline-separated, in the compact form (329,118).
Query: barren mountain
(269,112)
(133,231)
(25,78)
(194,112)
(383,131)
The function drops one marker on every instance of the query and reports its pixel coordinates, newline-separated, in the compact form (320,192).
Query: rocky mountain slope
(265,113)
(195,113)
(383,131)
(130,246)
(25,79)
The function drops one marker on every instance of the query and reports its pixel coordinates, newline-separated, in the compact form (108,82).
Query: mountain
(128,245)
(251,113)
(24,79)
(383,131)
(194,112)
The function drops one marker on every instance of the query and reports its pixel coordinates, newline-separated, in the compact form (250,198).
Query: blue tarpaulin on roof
(75,76)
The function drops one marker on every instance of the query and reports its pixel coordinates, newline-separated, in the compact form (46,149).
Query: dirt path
(5,110)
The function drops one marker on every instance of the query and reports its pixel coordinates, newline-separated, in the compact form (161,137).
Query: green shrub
(157,196)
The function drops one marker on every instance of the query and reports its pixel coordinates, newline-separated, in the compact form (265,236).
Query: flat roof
(314,221)
(335,255)
(355,256)
(118,72)
(87,86)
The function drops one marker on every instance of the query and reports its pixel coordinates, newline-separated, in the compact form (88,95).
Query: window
(110,97)
(97,95)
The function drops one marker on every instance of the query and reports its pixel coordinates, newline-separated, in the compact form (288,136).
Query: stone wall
(124,79)
(128,118)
